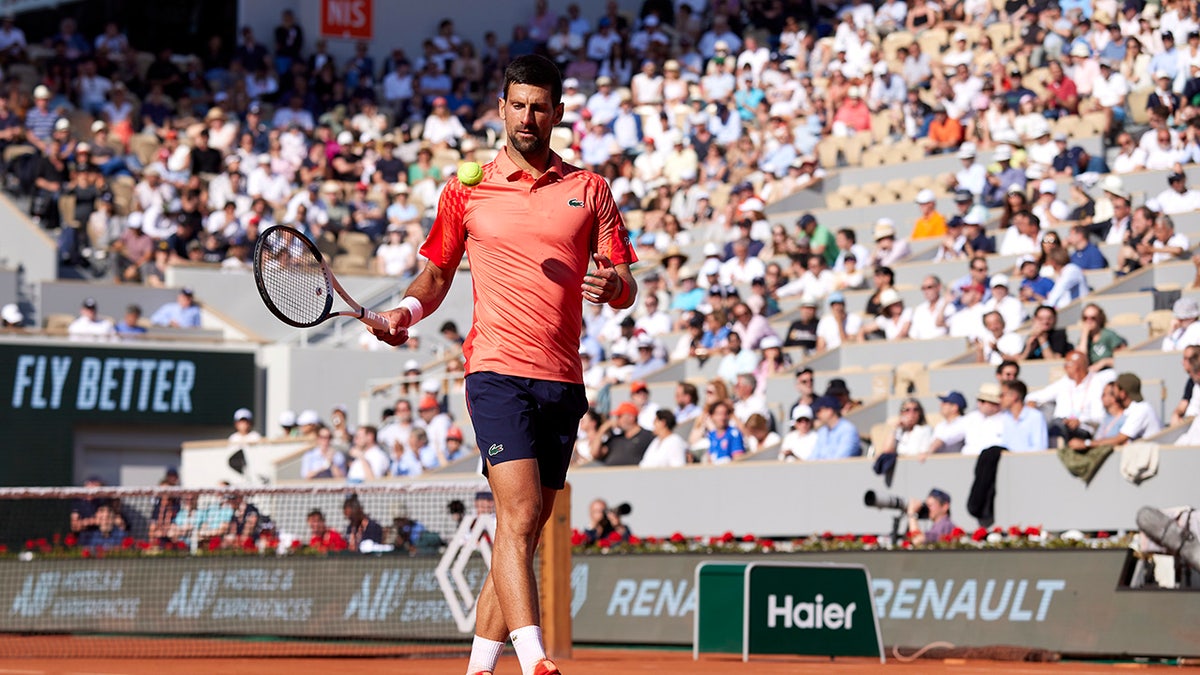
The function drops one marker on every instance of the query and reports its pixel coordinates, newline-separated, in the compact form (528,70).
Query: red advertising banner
(349,19)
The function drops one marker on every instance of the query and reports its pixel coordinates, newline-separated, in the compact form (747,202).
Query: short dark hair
(1007,363)
(667,417)
(537,71)
(316,513)
(849,234)
(1050,308)
(690,391)
(1018,387)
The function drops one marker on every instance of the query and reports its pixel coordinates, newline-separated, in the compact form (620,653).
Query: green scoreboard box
(804,609)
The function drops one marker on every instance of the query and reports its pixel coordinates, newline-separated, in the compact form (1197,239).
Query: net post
(555,561)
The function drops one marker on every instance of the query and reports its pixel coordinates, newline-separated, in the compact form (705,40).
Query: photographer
(935,508)
(605,521)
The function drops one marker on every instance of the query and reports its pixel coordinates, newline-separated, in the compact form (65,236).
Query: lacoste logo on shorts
(495,449)
(575,202)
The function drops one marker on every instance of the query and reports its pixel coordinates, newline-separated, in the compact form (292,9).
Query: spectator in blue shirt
(1069,284)
(837,438)
(183,313)
(1025,428)
(108,534)
(1166,61)
(131,324)
(1084,253)
(1033,284)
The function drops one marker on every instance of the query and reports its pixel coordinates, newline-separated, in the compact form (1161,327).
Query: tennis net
(373,569)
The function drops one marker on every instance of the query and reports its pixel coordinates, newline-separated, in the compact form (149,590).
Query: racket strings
(293,278)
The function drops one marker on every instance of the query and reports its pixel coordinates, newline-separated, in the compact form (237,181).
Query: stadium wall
(775,499)
(1064,600)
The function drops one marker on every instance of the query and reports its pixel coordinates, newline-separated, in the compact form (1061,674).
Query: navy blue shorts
(525,418)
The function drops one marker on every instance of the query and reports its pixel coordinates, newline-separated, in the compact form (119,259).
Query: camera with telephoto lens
(623,509)
(883,500)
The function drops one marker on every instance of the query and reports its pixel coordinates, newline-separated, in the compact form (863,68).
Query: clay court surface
(585,662)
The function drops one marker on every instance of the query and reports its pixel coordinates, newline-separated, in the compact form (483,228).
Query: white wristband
(415,310)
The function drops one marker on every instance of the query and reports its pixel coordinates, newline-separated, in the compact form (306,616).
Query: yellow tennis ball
(470,173)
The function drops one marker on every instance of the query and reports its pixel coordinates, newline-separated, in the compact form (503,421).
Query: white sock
(527,641)
(485,654)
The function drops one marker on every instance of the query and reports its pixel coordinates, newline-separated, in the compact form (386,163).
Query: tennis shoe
(546,667)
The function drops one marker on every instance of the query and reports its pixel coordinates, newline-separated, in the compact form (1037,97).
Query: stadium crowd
(700,114)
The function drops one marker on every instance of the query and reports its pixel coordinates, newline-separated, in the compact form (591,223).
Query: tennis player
(530,229)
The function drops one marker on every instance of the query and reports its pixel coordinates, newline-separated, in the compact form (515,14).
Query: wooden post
(555,584)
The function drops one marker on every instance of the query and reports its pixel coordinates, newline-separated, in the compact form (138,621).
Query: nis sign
(350,19)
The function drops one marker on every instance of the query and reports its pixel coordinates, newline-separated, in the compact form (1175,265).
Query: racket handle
(374,320)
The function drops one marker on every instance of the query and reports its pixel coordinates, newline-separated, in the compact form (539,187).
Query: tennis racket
(296,283)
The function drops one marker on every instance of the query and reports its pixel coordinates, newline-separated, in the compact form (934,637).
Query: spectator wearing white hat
(930,224)
(88,326)
(1048,208)
(287,424)
(852,115)
(894,319)
(959,53)
(243,425)
(837,326)
(11,317)
(973,175)
(1185,329)
(1113,216)
(888,249)
(1005,302)
(799,442)
(1003,177)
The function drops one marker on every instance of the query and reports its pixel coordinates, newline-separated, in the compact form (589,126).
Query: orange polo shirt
(933,226)
(529,244)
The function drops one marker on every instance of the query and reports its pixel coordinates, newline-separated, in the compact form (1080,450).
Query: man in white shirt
(951,432)
(1178,198)
(1002,301)
(994,344)
(929,317)
(1076,395)
(1163,151)
(1140,419)
(984,427)
(1048,208)
(1130,157)
(639,395)
(1185,329)
(742,268)
(1109,92)
(1024,237)
(88,327)
(1166,244)
(838,325)
(746,401)
(967,322)
(973,175)
(668,449)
